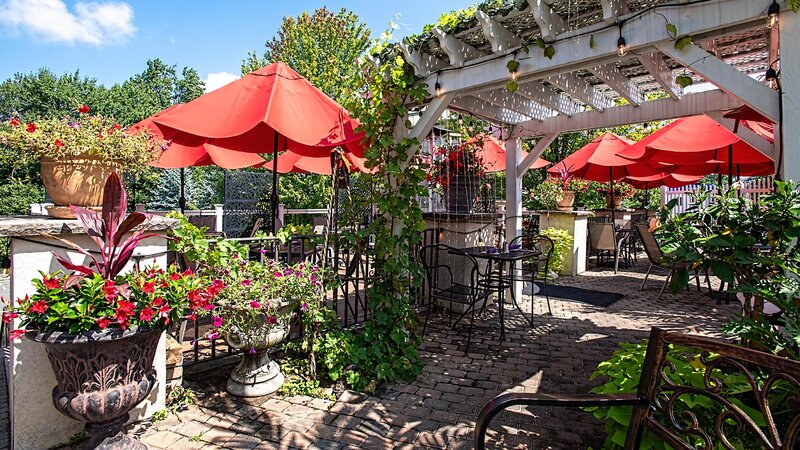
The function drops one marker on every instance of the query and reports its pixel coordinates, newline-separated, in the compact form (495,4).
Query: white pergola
(588,86)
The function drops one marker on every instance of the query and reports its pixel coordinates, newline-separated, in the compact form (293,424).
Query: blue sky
(112,39)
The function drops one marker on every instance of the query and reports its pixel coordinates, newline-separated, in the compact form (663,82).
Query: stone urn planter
(76,181)
(566,202)
(617,201)
(461,194)
(257,375)
(102,375)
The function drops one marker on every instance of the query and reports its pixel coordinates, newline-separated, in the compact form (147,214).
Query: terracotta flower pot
(617,201)
(76,181)
(102,375)
(257,374)
(565,204)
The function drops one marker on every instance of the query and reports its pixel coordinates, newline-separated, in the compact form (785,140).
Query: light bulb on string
(773,14)
(622,45)
(514,75)
(438,88)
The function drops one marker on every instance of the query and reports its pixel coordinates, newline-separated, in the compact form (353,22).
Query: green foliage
(548,193)
(624,369)
(681,43)
(304,190)
(289,231)
(322,47)
(16,197)
(299,380)
(562,246)
(684,80)
(793,5)
(752,246)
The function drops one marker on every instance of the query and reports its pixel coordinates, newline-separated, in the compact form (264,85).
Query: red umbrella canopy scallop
(599,160)
(247,115)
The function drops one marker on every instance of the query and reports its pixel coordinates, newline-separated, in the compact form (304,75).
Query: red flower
(124,312)
(103,322)
(59,143)
(163,312)
(39,307)
(146,314)
(246,282)
(111,291)
(175,276)
(255,305)
(51,283)
(158,301)
(149,287)
(15,122)
(116,126)
(9,316)
(84,109)
(15,334)
(31,127)
(272,320)
(100,135)
(188,273)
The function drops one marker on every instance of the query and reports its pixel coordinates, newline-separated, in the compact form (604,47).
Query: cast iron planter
(101,376)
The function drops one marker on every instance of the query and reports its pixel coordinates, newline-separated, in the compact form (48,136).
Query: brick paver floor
(438,410)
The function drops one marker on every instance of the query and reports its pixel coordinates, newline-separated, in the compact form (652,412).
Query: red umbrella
(247,115)
(599,160)
(493,154)
(267,111)
(723,168)
(693,140)
(662,179)
(292,162)
(177,156)
(752,120)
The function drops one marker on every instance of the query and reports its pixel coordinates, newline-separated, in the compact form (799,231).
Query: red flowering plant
(566,181)
(621,189)
(261,295)
(80,134)
(96,296)
(456,161)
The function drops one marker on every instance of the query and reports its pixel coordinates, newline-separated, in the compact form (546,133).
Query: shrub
(562,245)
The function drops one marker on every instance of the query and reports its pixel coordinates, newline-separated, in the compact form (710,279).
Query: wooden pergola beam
(516,103)
(557,101)
(657,67)
(580,89)
(616,80)
(498,36)
(457,51)
(484,110)
(550,23)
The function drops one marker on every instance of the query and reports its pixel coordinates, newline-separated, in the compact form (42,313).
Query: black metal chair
(533,267)
(654,405)
(444,287)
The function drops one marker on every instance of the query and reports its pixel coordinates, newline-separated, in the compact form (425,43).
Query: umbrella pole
(182,200)
(730,166)
(613,197)
(274,196)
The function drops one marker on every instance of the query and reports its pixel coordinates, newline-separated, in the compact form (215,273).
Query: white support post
(513,218)
(756,94)
(537,151)
(219,213)
(790,82)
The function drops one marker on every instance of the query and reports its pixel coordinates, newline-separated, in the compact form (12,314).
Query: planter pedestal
(257,375)
(576,224)
(35,423)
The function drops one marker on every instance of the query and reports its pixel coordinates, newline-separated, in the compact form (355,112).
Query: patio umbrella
(291,162)
(694,140)
(493,154)
(672,180)
(599,160)
(753,120)
(270,110)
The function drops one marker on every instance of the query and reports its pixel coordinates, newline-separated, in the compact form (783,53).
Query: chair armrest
(504,401)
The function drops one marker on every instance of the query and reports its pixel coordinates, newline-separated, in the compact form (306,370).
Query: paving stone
(161,439)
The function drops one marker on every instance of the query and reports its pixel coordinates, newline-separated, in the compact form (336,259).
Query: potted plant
(558,192)
(620,191)
(252,314)
(100,329)
(78,153)
(457,170)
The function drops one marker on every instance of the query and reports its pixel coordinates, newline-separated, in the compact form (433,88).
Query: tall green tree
(323,47)
(43,94)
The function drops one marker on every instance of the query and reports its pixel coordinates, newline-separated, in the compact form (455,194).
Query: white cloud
(93,23)
(218,79)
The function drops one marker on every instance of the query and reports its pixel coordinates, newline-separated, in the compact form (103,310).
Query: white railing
(751,188)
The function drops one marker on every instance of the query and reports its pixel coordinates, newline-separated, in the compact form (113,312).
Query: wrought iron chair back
(774,381)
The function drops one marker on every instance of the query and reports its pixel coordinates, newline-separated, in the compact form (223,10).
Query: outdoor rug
(595,298)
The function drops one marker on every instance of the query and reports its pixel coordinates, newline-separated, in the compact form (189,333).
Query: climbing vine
(387,349)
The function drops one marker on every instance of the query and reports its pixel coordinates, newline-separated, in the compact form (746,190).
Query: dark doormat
(596,298)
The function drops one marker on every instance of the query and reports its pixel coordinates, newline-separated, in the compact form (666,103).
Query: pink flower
(16,334)
(213,335)
(9,316)
(304,307)
(175,276)
(246,282)
(272,320)
(217,321)
(149,287)
(110,290)
(255,305)
(252,351)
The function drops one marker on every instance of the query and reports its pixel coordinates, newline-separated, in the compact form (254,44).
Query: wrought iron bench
(654,403)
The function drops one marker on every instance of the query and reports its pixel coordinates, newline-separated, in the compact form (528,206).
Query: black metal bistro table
(496,280)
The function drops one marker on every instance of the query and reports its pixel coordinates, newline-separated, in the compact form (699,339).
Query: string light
(437,86)
(513,75)
(771,77)
(772,14)
(622,46)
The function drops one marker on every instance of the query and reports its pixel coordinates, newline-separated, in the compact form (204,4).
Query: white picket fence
(752,188)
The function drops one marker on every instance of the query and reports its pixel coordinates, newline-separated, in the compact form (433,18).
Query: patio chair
(533,267)
(444,287)
(656,258)
(604,240)
(656,398)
